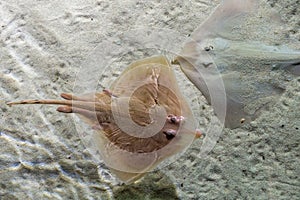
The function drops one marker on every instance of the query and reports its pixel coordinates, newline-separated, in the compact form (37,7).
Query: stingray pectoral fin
(293,67)
(137,74)
(127,177)
(235,115)
(121,159)
(246,97)
(202,71)
(225,17)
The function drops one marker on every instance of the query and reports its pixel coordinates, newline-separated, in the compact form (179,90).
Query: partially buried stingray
(238,48)
(162,123)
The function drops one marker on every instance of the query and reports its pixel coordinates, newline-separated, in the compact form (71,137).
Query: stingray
(235,53)
(139,122)
(144,119)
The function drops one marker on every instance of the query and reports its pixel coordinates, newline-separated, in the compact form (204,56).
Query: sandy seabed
(43,47)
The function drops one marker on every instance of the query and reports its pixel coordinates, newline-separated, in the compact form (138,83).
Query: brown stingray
(139,122)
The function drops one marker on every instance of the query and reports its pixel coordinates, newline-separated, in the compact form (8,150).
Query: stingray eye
(208,48)
(170,134)
(172,119)
(242,120)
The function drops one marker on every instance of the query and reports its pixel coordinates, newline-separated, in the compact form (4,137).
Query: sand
(46,47)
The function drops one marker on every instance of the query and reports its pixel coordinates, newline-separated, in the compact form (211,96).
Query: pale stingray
(142,120)
(238,46)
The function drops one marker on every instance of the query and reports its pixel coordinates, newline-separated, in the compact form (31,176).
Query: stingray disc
(137,134)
